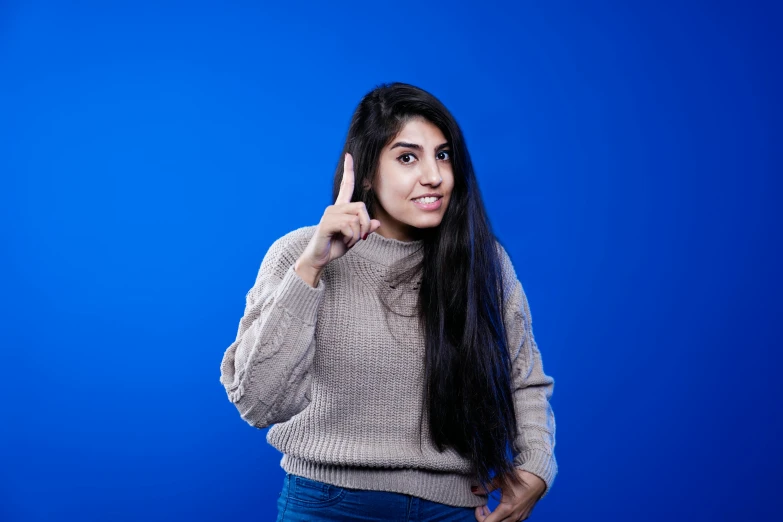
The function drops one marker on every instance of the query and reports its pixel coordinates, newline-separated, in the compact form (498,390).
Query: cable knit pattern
(341,383)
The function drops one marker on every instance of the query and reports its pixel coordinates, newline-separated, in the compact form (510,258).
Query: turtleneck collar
(386,251)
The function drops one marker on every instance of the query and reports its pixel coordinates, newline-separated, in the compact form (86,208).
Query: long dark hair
(468,395)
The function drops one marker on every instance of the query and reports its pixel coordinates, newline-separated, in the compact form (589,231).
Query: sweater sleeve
(265,371)
(535,442)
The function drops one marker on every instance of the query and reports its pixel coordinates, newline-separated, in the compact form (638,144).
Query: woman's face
(415,163)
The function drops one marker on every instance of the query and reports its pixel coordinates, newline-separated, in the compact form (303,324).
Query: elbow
(261,410)
(542,381)
(543,386)
(255,413)
(251,409)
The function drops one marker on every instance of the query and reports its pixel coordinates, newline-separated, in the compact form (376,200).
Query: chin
(429,223)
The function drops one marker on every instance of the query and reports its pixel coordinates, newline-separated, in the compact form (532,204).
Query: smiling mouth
(428,204)
(427,199)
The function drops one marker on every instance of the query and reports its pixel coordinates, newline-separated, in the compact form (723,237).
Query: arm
(265,371)
(532,388)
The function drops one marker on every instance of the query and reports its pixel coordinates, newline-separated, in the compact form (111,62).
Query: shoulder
(513,290)
(294,241)
(286,249)
(505,259)
(508,272)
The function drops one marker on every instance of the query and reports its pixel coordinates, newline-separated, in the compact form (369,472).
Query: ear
(366,185)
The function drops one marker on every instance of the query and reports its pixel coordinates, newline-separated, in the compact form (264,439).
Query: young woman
(390,346)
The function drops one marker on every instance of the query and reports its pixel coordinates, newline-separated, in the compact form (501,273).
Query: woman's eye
(407,155)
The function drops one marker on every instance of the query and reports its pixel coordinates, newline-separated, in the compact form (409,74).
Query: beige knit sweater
(341,385)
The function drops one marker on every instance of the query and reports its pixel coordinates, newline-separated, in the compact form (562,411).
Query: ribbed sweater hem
(445,488)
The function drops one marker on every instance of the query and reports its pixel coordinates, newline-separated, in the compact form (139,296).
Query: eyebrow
(417,147)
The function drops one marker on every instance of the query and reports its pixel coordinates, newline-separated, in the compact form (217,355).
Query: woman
(390,347)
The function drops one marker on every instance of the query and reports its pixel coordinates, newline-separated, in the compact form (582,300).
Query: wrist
(308,273)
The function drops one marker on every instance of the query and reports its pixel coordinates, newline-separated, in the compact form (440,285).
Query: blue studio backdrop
(150,153)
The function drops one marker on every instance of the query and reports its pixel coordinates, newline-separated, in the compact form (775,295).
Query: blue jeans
(303,499)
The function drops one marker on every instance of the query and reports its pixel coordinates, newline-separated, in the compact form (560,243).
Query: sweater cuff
(540,463)
(298,297)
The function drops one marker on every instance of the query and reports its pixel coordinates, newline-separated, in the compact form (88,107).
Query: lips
(435,205)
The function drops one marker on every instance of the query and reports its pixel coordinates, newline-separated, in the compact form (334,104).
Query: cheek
(392,198)
(399,190)
(450,185)
(393,185)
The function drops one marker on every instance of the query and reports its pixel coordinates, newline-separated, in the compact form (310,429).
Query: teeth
(427,200)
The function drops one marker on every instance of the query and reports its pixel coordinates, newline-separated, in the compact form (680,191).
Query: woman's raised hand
(342,225)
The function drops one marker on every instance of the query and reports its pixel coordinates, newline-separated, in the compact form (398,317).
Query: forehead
(419,131)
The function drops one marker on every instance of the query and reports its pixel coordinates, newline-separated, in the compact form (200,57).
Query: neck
(399,235)
(387,250)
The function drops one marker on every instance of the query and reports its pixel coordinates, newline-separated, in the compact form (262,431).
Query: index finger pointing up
(346,186)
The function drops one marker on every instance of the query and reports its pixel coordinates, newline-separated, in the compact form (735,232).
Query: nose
(430,173)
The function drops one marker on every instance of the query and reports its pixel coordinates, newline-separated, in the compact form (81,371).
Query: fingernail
(365,236)
(473,489)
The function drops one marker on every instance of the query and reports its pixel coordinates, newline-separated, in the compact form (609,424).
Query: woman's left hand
(516,502)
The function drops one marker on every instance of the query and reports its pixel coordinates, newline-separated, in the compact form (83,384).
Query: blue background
(629,154)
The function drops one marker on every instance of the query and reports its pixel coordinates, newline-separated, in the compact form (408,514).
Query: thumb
(374,225)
